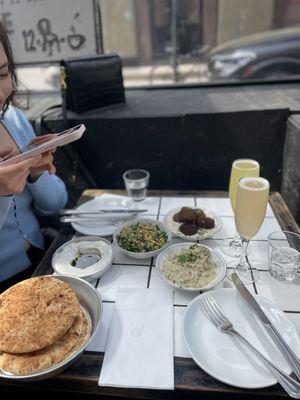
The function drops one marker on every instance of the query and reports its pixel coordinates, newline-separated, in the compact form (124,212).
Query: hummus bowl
(87,257)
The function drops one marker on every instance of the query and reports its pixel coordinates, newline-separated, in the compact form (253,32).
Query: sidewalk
(47,78)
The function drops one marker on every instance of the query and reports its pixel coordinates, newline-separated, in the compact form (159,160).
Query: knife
(288,353)
(102,211)
(99,218)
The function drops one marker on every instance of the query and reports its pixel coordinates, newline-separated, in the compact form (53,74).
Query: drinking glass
(240,168)
(249,213)
(283,255)
(136,183)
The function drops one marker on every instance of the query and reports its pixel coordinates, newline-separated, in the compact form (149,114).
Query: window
(171,42)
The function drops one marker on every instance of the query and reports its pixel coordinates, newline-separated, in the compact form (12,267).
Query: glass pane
(172,42)
(195,41)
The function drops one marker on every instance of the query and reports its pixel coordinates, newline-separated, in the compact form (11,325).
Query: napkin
(139,348)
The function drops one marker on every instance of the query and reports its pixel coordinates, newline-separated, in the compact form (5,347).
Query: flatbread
(35,313)
(85,334)
(72,340)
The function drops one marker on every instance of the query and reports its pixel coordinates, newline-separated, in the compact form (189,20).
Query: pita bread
(35,313)
(73,339)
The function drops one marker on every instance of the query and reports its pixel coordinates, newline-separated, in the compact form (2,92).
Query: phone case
(58,141)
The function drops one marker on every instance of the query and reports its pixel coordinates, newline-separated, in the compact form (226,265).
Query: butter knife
(69,219)
(102,211)
(288,353)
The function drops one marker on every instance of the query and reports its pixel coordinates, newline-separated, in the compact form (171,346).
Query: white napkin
(139,349)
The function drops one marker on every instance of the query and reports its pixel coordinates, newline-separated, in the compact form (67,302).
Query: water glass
(283,255)
(136,183)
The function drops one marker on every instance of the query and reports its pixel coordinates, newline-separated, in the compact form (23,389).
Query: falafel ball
(186,214)
(206,223)
(188,229)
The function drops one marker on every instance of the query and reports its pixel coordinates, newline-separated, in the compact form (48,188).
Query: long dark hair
(4,40)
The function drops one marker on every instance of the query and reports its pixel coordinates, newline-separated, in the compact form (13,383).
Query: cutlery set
(70,215)
(86,219)
(102,211)
(223,324)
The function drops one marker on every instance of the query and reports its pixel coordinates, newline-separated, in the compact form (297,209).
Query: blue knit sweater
(18,222)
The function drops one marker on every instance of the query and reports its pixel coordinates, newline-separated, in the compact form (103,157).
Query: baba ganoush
(192,267)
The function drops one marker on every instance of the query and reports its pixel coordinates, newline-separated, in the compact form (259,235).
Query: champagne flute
(240,168)
(249,213)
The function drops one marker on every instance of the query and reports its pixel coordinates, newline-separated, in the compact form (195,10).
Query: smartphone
(58,140)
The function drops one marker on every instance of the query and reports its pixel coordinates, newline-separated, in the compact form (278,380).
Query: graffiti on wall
(42,30)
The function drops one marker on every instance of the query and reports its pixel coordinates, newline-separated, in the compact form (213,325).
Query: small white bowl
(216,257)
(142,221)
(61,258)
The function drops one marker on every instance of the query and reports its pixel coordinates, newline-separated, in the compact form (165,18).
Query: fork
(214,313)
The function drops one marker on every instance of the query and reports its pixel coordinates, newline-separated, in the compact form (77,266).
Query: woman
(21,241)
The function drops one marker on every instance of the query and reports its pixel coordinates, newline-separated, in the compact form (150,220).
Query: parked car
(273,54)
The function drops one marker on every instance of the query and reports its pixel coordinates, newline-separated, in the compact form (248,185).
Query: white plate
(103,227)
(225,357)
(175,248)
(203,234)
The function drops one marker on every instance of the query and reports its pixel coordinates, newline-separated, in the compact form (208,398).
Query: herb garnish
(189,255)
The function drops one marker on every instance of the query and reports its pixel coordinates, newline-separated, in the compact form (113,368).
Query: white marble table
(127,272)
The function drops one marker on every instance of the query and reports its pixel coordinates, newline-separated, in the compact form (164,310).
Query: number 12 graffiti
(47,41)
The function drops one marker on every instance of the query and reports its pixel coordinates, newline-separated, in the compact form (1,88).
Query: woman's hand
(13,177)
(46,161)
(6,151)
